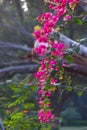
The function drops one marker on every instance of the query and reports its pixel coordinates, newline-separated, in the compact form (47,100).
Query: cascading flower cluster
(52,52)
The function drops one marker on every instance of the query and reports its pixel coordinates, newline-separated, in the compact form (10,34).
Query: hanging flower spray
(51,71)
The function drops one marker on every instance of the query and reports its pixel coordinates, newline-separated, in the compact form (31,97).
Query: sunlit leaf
(77,20)
(80,93)
(69,89)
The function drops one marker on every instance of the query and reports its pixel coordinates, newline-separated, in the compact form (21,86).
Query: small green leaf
(62,27)
(73,5)
(53,73)
(28,105)
(83,40)
(80,93)
(58,35)
(17,116)
(77,20)
(13,87)
(49,127)
(69,58)
(69,89)
(59,62)
(31,105)
(77,49)
(34,88)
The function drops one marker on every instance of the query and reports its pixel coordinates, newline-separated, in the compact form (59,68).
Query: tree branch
(8,72)
(14,46)
(69,43)
(14,63)
(83,4)
(76,68)
(20,69)
(79,65)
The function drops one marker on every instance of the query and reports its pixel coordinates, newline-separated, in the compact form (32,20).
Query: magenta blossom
(53,81)
(45,116)
(40,92)
(48,94)
(67,18)
(41,50)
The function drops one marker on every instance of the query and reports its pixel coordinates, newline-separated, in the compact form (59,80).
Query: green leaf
(69,89)
(73,5)
(15,88)
(62,27)
(58,35)
(43,128)
(34,88)
(59,62)
(80,93)
(77,20)
(77,49)
(69,58)
(53,73)
(19,100)
(83,40)
(17,116)
(69,51)
(31,105)
(46,127)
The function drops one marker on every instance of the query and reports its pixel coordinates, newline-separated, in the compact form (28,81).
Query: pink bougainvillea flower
(38,74)
(58,49)
(67,18)
(48,94)
(47,16)
(45,116)
(37,34)
(40,92)
(52,63)
(41,50)
(53,81)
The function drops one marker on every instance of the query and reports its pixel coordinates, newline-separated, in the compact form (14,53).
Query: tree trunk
(19,9)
